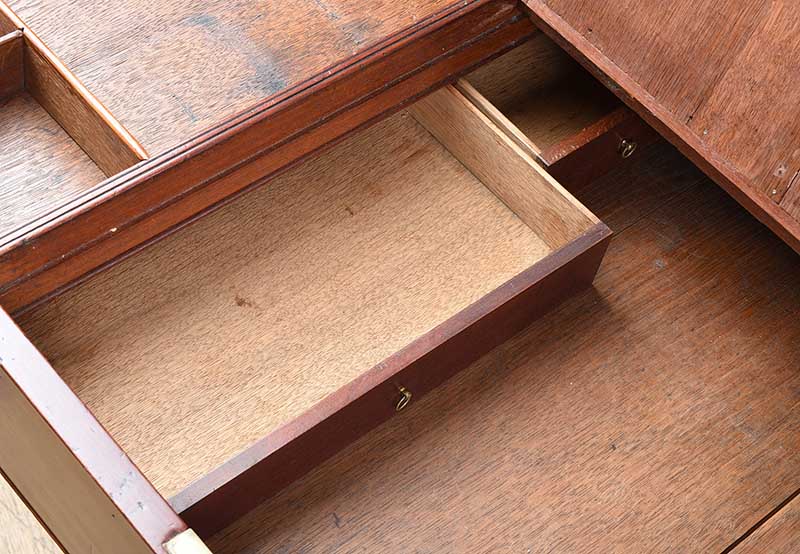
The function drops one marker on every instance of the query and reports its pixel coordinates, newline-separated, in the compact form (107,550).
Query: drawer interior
(56,140)
(235,326)
(40,165)
(546,101)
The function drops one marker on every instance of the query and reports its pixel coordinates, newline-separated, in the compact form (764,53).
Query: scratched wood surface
(169,70)
(194,349)
(20,531)
(780,534)
(725,75)
(34,180)
(655,413)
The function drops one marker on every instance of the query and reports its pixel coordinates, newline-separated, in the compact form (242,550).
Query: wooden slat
(96,501)
(720,82)
(11,68)
(169,191)
(503,166)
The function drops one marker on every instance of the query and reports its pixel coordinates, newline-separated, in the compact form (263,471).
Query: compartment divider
(104,139)
(505,168)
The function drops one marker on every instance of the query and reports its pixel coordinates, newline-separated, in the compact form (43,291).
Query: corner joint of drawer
(186,543)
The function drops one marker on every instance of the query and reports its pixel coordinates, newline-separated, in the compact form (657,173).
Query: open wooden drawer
(235,355)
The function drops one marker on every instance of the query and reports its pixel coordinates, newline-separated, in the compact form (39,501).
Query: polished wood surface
(203,62)
(20,531)
(168,191)
(227,318)
(721,81)
(655,413)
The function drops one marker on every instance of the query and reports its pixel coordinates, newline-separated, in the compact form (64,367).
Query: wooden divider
(80,114)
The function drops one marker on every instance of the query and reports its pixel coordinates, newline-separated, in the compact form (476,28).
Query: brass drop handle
(405,399)
(627,147)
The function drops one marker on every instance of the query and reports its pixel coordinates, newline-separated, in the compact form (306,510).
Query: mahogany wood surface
(68,469)
(170,190)
(654,413)
(204,62)
(720,81)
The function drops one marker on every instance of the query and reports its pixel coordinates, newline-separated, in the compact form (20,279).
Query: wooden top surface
(170,70)
(721,78)
(656,412)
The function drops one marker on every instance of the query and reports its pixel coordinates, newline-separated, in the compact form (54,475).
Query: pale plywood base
(20,531)
(216,336)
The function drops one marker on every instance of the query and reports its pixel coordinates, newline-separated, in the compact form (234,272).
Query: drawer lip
(61,429)
(229,491)
(157,197)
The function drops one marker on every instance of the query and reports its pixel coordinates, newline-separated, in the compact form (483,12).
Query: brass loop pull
(627,147)
(404,400)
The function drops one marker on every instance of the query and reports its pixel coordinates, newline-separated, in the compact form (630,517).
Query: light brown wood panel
(656,413)
(502,166)
(20,531)
(169,70)
(40,166)
(543,92)
(11,75)
(217,335)
(719,80)
(780,534)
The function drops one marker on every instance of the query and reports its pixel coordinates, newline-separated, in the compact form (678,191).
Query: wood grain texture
(8,24)
(169,191)
(108,144)
(205,62)
(97,501)
(263,309)
(40,166)
(11,75)
(502,166)
(278,459)
(780,534)
(721,83)
(20,531)
(655,413)
(578,241)
(544,93)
